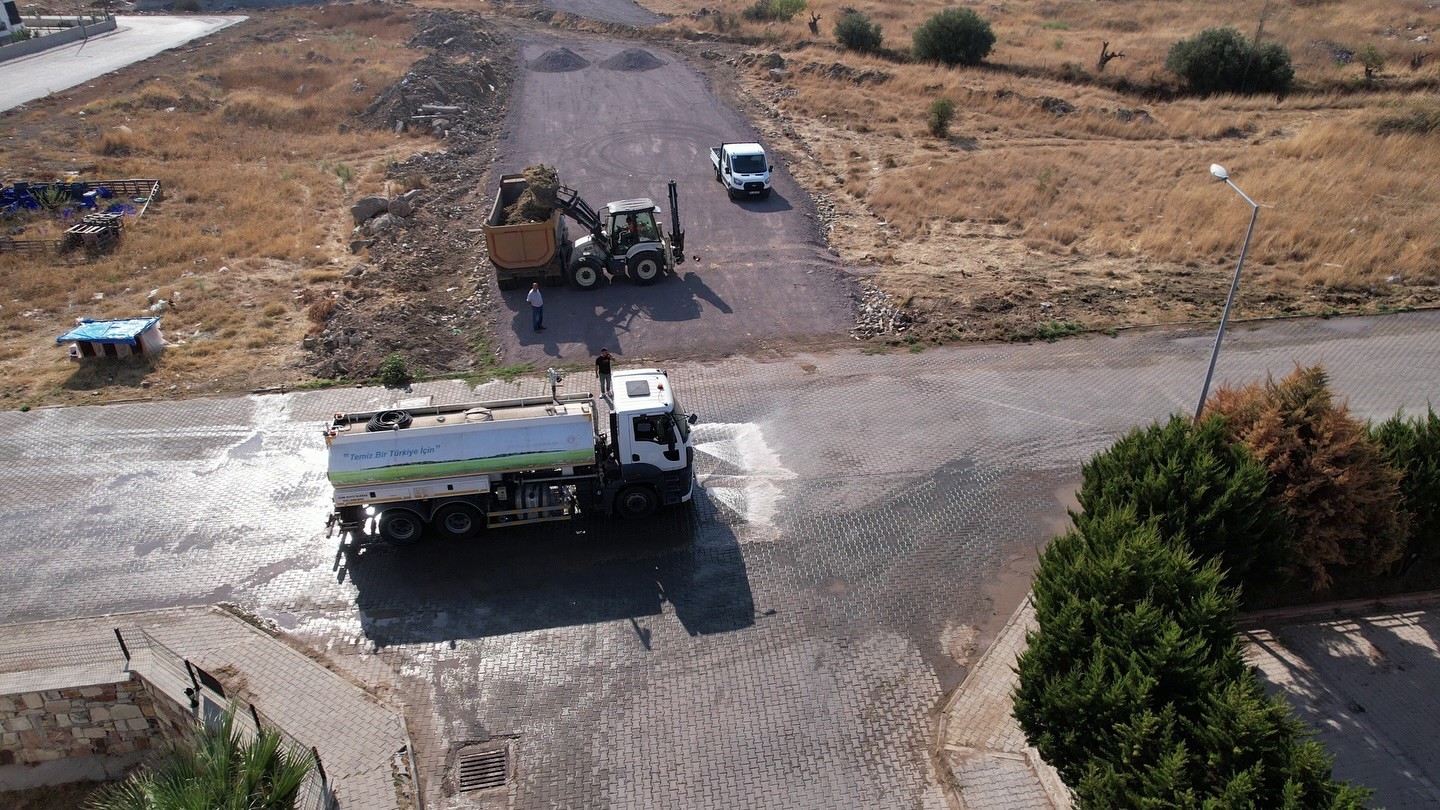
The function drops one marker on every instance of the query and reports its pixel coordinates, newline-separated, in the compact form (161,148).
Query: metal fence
(89,663)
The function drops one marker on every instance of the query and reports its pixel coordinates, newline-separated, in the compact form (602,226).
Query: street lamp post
(1220,174)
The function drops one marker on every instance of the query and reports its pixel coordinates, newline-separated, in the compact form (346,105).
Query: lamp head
(1219,171)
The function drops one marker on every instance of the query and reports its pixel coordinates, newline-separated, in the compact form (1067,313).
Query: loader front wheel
(587,275)
(645,268)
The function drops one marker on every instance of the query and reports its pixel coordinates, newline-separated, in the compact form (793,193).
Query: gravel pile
(559,60)
(632,60)
(877,314)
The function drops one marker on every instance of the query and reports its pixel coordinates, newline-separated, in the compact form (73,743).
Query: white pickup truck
(743,168)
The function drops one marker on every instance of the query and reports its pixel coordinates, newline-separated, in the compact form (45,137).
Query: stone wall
(105,720)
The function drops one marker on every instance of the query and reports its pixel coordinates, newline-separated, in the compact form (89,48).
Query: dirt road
(618,121)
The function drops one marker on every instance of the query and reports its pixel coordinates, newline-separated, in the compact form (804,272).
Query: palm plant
(219,768)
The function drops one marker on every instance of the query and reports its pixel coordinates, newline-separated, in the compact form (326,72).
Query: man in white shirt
(537,307)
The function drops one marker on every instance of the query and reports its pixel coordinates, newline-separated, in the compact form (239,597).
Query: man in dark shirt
(602,370)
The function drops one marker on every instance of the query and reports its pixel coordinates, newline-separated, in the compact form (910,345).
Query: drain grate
(484,769)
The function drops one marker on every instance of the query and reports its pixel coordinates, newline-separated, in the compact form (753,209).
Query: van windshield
(748,164)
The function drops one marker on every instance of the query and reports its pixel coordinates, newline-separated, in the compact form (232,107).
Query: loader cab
(632,223)
(650,441)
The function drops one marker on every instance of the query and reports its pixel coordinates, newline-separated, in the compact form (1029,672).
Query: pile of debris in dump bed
(536,202)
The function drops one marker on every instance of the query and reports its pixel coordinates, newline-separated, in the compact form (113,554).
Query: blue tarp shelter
(121,337)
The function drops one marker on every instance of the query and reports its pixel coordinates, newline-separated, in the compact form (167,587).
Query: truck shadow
(554,575)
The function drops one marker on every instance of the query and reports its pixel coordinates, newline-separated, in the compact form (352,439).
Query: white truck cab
(650,441)
(743,168)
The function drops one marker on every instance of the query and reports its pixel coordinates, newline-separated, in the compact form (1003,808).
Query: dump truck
(743,168)
(527,252)
(457,470)
(622,238)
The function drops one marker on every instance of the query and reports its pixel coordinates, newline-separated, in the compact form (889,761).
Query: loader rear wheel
(636,501)
(645,268)
(587,275)
(400,527)
(457,521)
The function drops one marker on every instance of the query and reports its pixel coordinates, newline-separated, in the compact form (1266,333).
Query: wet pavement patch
(559,60)
(632,60)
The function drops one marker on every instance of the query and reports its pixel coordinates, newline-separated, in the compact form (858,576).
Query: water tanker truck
(456,470)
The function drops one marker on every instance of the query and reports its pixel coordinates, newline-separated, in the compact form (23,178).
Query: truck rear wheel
(507,283)
(457,521)
(636,501)
(587,275)
(400,527)
(646,267)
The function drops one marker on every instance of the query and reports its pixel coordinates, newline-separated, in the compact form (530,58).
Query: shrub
(854,30)
(394,372)
(1412,446)
(218,767)
(1342,496)
(955,36)
(1135,689)
(942,110)
(1199,487)
(1221,60)
(1372,61)
(773,10)
(191,6)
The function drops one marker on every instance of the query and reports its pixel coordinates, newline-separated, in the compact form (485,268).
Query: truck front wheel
(636,501)
(587,275)
(645,268)
(457,521)
(400,527)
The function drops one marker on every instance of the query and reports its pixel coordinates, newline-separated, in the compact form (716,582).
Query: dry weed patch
(1088,191)
(254,212)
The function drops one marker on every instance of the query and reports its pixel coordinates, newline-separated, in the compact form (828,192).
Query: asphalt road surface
(785,643)
(757,273)
(133,40)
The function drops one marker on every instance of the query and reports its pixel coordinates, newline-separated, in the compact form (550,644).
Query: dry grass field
(1063,198)
(1065,195)
(260,160)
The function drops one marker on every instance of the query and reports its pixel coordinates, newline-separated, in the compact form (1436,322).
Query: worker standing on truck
(537,307)
(602,370)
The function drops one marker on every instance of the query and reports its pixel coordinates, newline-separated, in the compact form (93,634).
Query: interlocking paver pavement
(990,762)
(1365,676)
(787,643)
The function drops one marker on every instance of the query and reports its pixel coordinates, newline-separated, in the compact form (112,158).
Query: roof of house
(119,330)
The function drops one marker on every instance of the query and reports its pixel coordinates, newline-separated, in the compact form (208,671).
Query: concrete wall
(81,733)
(25,48)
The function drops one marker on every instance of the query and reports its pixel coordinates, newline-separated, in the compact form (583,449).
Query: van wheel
(646,267)
(587,275)
(400,527)
(457,521)
(636,501)
(765,195)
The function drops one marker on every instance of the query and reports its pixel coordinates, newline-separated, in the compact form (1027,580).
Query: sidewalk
(363,744)
(991,767)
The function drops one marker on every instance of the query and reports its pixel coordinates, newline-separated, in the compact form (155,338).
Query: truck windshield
(747,164)
(682,423)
